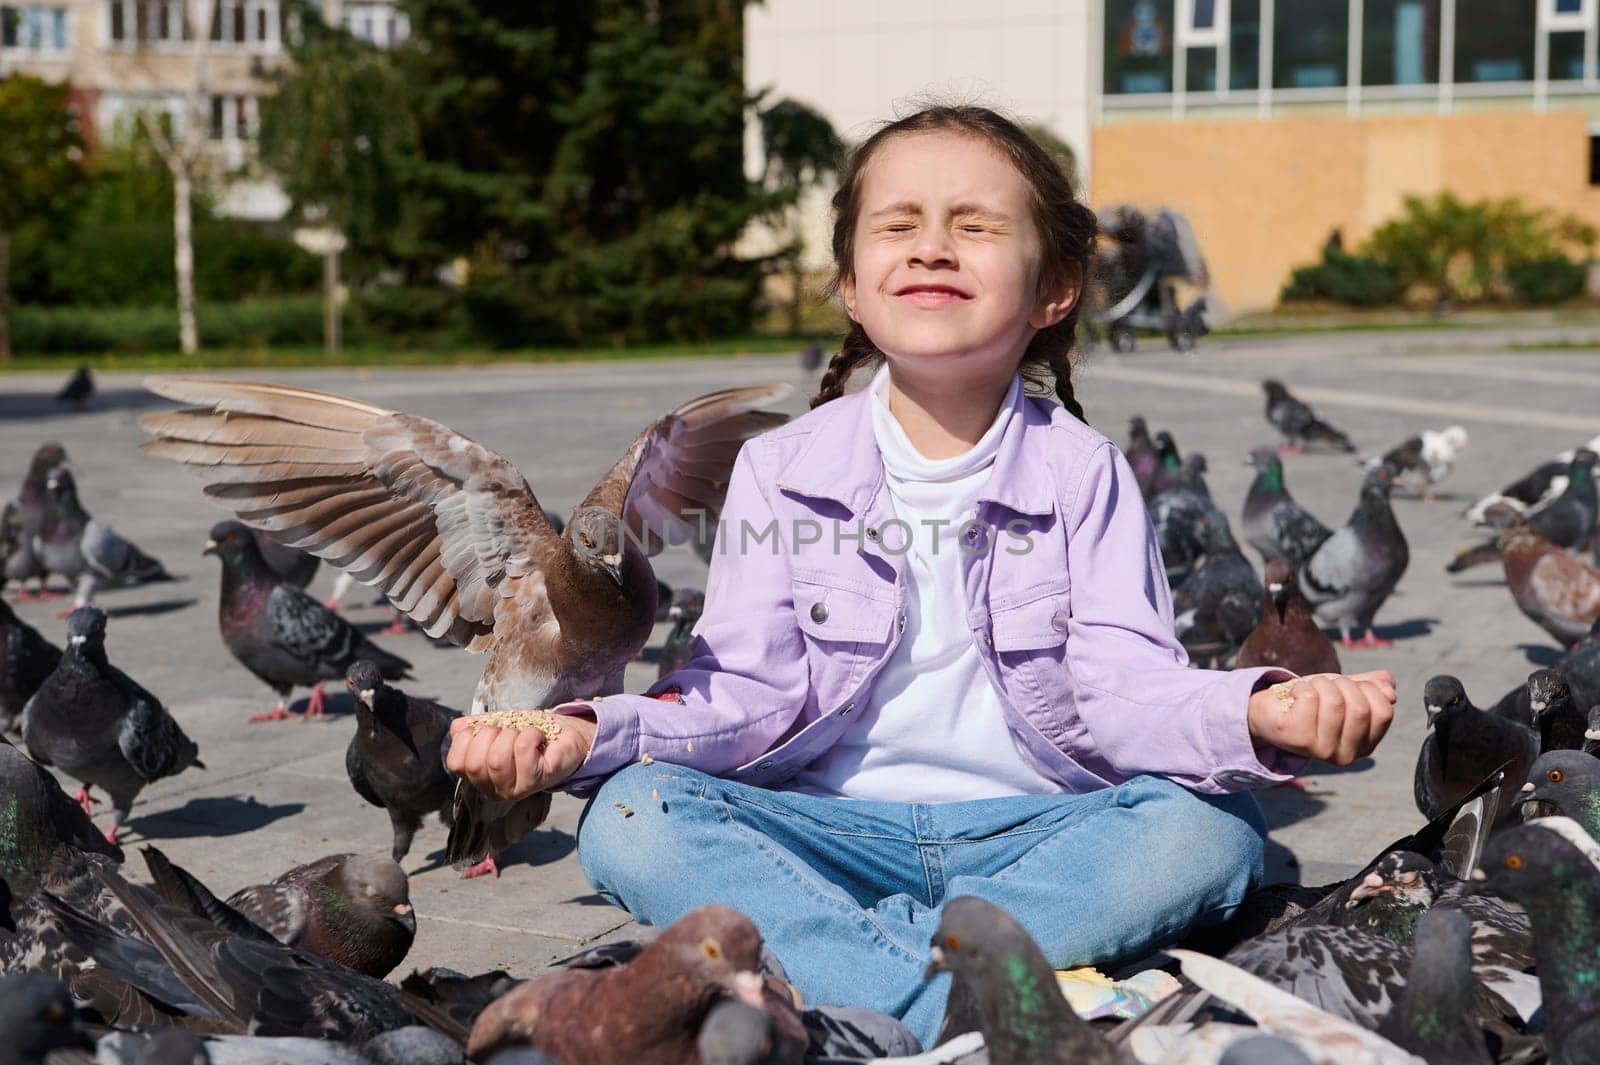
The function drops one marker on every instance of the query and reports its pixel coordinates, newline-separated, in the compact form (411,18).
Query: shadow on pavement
(214,816)
(160,606)
(43,404)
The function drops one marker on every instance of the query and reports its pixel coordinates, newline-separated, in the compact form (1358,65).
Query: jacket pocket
(1034,625)
(841,615)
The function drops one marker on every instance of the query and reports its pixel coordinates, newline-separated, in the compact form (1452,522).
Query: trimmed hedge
(1344,278)
(1548,280)
(292,321)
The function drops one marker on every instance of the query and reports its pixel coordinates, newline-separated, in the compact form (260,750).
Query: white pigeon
(1424,460)
(1531,491)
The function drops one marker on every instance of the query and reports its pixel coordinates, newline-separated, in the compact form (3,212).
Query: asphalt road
(276,794)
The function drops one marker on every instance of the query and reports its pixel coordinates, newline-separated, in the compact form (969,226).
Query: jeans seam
(821,826)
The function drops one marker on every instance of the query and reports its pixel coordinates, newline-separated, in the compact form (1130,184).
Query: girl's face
(947,257)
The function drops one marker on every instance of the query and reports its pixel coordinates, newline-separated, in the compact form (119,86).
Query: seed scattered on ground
(516,720)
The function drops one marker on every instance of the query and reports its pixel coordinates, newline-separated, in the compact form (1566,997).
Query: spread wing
(670,483)
(431,518)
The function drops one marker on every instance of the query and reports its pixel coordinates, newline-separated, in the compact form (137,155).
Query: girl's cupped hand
(1328,716)
(508,764)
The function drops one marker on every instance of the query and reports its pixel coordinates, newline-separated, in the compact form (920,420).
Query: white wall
(861,62)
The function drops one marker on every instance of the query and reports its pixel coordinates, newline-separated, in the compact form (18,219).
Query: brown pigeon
(454,536)
(647,1012)
(1556,589)
(1287,636)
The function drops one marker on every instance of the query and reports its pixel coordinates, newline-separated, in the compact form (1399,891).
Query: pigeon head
(975,937)
(1166,445)
(1547,691)
(599,539)
(381,885)
(1265,459)
(1404,877)
(1582,469)
(1442,693)
(1138,431)
(37,1015)
(1567,782)
(687,604)
(86,627)
(365,681)
(231,542)
(1274,388)
(46,458)
(1502,516)
(60,486)
(1456,436)
(1378,482)
(1278,577)
(1529,863)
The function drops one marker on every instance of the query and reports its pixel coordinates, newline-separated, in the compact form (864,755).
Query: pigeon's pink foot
(486,867)
(277,713)
(1294,782)
(1289,449)
(1368,642)
(332,603)
(111,834)
(85,800)
(313,706)
(396,627)
(42,595)
(63,614)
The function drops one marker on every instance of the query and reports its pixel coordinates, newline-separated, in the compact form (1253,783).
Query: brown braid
(1067,231)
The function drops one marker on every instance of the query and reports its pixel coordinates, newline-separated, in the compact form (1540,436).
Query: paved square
(276,794)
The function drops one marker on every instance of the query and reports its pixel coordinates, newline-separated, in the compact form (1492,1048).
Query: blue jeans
(847,893)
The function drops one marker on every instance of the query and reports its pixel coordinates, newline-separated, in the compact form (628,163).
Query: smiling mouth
(932,295)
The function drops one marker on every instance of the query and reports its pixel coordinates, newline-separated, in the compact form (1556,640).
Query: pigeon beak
(1372,885)
(1433,712)
(936,964)
(1591,733)
(366,695)
(1537,705)
(77,641)
(1479,876)
(612,564)
(1526,789)
(209,549)
(750,988)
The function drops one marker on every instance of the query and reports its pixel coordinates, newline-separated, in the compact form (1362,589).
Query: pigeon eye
(1555,776)
(952,943)
(1513,861)
(711,949)
(54,1013)
(586,541)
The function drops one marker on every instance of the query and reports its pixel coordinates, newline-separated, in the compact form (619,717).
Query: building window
(1201,73)
(1138,46)
(147,21)
(33,28)
(233,118)
(1566,56)
(1204,14)
(1400,42)
(1309,42)
(1594,158)
(1569,7)
(246,22)
(1244,44)
(378,24)
(1494,40)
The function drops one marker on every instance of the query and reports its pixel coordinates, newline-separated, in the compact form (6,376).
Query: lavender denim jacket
(1066,600)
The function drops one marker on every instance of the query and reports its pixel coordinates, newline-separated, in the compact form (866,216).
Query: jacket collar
(841,461)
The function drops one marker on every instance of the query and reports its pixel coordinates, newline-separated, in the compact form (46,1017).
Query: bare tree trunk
(330,302)
(183,257)
(5,296)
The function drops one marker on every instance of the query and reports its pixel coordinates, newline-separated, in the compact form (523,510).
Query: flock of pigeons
(1452,945)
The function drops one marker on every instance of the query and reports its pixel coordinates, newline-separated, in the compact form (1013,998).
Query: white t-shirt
(935,729)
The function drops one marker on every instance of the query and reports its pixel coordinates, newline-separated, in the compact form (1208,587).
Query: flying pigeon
(281,634)
(687,603)
(1274,524)
(94,723)
(1355,570)
(1544,869)
(26,659)
(350,908)
(650,1009)
(1567,521)
(1424,460)
(1024,1016)
(395,759)
(1298,423)
(78,390)
(1555,589)
(1465,744)
(85,550)
(454,536)
(1286,636)
(1216,607)
(1566,783)
(33,502)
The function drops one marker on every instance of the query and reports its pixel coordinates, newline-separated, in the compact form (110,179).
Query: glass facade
(1244,45)
(33,28)
(1566,56)
(1400,42)
(1310,41)
(1138,56)
(1494,40)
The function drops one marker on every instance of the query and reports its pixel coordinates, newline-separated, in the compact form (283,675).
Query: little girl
(937,654)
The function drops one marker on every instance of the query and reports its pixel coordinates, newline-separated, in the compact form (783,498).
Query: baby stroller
(1136,265)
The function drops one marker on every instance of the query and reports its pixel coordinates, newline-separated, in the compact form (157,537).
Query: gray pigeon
(1564,784)
(1566,521)
(296,567)
(1274,524)
(351,908)
(1430,1019)
(1355,570)
(86,551)
(281,634)
(37,1015)
(395,759)
(94,723)
(1181,515)
(1025,1018)
(1555,714)
(26,659)
(1298,423)
(1217,606)
(78,390)
(22,561)
(1463,746)
(454,536)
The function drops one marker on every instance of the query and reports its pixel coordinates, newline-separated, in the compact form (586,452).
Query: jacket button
(1058,621)
(819,612)
(763,767)
(872,534)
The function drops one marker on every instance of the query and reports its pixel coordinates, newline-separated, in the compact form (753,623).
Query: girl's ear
(1056,301)
(847,293)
